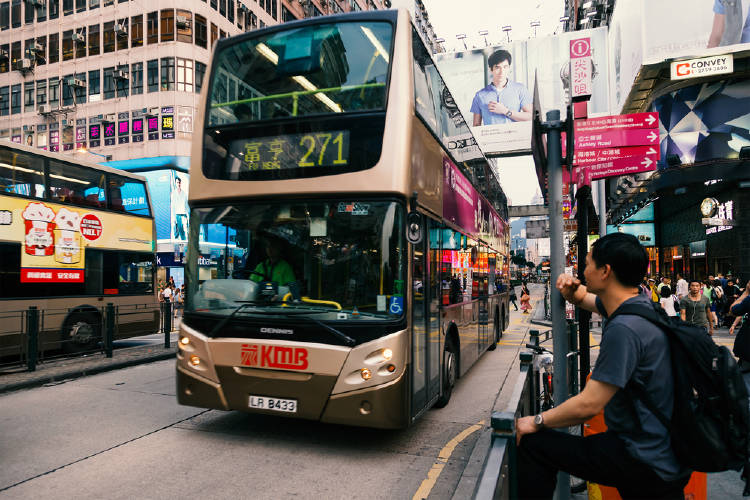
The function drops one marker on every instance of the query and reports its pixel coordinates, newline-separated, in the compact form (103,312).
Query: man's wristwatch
(539,420)
(509,113)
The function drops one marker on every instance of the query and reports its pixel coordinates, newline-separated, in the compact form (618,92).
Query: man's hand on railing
(525,425)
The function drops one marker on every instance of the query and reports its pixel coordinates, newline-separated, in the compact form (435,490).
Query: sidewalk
(59,370)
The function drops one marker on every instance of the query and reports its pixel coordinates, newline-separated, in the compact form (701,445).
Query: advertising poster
(28,137)
(493,86)
(54,237)
(178,199)
(645,232)
(704,122)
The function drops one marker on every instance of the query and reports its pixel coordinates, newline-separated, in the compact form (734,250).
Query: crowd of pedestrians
(704,302)
(172,294)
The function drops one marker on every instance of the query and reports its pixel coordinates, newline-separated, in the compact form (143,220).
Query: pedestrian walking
(695,308)
(740,308)
(525,299)
(668,301)
(513,297)
(635,454)
(731,292)
(718,299)
(654,293)
(681,287)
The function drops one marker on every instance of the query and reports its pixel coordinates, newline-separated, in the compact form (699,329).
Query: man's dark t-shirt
(633,347)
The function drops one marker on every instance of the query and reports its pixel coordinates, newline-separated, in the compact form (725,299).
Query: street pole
(557,264)
(584,317)
(602,207)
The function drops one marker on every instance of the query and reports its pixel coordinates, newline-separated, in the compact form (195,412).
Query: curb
(74,373)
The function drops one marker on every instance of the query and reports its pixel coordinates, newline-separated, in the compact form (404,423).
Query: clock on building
(709,206)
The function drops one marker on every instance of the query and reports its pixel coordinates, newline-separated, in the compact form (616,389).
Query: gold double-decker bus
(364,267)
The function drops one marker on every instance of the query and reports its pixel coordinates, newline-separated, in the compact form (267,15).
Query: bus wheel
(496,334)
(81,333)
(450,372)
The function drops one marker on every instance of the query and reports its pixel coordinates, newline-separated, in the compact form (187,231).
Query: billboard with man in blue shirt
(503,100)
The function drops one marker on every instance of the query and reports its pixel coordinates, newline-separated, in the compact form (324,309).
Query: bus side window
(70,183)
(21,174)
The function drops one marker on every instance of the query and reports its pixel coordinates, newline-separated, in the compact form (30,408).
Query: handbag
(741,347)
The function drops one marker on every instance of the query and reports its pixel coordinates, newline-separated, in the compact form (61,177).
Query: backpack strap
(637,391)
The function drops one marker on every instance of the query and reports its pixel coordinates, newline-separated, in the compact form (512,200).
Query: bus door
(483,298)
(426,345)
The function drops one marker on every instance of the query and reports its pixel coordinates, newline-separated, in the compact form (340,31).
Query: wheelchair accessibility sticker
(396,305)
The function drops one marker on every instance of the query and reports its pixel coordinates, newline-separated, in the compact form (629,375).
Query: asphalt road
(122,435)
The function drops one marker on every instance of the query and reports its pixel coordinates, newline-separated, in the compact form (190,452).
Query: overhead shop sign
(705,66)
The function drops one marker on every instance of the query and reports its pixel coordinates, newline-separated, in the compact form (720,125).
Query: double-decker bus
(74,236)
(365,259)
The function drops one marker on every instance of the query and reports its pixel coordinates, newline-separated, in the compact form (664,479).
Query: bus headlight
(387,354)
(195,360)
(184,341)
(365,373)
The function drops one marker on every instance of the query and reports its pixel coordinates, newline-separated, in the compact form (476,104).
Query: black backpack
(710,420)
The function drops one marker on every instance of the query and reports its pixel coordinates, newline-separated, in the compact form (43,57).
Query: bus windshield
(321,69)
(337,260)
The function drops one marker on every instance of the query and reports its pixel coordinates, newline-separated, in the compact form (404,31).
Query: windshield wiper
(224,321)
(344,337)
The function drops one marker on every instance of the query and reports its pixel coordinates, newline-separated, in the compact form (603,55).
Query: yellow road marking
(432,476)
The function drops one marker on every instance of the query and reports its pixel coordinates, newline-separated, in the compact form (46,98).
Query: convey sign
(693,68)
(621,166)
(618,122)
(617,138)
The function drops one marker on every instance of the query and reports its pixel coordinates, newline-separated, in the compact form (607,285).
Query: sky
(472,16)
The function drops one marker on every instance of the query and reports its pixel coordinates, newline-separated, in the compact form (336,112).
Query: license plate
(273,404)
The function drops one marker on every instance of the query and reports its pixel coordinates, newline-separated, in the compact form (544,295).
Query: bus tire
(450,373)
(81,332)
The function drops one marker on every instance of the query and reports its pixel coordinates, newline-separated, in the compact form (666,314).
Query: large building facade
(121,80)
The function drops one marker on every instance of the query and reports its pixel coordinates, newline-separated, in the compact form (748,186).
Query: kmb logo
(285,358)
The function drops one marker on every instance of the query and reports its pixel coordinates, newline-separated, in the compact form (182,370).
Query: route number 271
(317,146)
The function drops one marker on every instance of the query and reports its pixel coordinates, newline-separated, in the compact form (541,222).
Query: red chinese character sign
(580,69)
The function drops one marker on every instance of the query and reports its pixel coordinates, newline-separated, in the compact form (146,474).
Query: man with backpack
(635,454)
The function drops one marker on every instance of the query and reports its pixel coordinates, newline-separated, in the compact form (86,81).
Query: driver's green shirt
(280,272)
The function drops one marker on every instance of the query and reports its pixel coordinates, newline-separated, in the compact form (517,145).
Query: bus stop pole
(554,127)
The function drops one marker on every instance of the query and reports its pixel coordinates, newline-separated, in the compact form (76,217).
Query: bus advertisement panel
(492,86)
(54,237)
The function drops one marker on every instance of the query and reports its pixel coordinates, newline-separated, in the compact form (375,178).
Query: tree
(518,260)
(530,265)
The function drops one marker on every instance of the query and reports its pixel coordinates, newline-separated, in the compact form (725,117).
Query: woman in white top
(667,301)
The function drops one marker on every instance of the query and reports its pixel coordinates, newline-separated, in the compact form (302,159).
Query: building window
(29,13)
(15,14)
(5,61)
(54,9)
(15,53)
(80,46)
(94,86)
(214,5)
(41,56)
(4,17)
(167,25)
(200,72)
(28,97)
(223,7)
(287,15)
(67,7)
(152,75)
(54,93)
(80,90)
(184,75)
(136,31)
(67,90)
(109,83)
(167,73)
(80,5)
(109,36)
(214,34)
(136,78)
(230,11)
(15,99)
(122,34)
(94,40)
(67,45)
(123,84)
(4,101)
(41,14)
(184,23)
(41,92)
(201,31)
(109,2)
(222,34)
(152,27)
(93,4)
(54,47)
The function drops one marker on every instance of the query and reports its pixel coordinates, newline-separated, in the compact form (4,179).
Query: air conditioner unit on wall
(182,21)
(121,30)
(75,82)
(78,38)
(35,3)
(3,54)
(24,64)
(120,75)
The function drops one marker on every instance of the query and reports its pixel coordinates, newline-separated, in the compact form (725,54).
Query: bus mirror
(414,228)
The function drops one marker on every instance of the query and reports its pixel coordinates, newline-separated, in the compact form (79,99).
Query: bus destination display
(317,149)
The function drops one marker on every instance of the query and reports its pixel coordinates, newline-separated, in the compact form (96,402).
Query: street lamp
(535,25)
(484,33)
(84,150)
(462,37)
(507,30)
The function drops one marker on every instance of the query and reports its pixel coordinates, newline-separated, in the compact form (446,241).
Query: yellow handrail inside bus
(296,94)
(313,301)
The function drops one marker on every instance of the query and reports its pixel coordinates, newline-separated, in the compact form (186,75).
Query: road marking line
(432,476)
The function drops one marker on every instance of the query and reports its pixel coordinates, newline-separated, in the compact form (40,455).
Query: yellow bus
(365,261)
(74,236)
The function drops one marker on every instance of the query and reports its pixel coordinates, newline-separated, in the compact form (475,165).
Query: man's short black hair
(624,254)
(499,56)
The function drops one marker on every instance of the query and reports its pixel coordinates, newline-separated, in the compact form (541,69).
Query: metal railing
(499,475)
(34,335)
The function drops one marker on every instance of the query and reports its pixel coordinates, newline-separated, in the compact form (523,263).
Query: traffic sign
(594,156)
(617,138)
(581,69)
(618,122)
(621,166)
